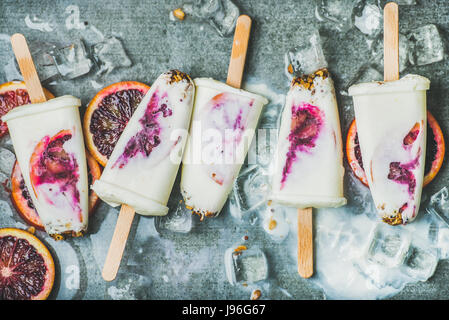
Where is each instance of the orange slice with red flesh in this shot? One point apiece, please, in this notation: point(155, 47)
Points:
point(434, 153)
point(107, 115)
point(27, 269)
point(14, 94)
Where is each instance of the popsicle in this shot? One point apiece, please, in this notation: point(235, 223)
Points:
point(391, 126)
point(309, 169)
point(48, 142)
point(223, 125)
point(142, 167)
point(309, 160)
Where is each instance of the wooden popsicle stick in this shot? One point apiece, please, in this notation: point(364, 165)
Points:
point(118, 243)
point(391, 41)
point(238, 54)
point(27, 68)
point(305, 242)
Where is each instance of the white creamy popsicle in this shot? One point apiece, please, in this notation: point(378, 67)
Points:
point(143, 165)
point(48, 141)
point(308, 160)
point(391, 126)
point(223, 125)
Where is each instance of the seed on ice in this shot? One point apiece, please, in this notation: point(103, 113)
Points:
point(245, 265)
point(275, 223)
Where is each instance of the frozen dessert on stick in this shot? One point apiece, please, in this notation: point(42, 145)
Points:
point(309, 168)
point(391, 126)
point(223, 124)
point(142, 168)
point(230, 116)
point(309, 160)
point(48, 142)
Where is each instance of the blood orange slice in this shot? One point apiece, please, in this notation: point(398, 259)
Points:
point(434, 153)
point(107, 115)
point(21, 199)
point(13, 94)
point(27, 269)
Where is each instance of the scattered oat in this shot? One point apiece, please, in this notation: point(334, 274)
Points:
point(272, 224)
point(240, 248)
point(57, 237)
point(179, 14)
point(31, 230)
point(256, 294)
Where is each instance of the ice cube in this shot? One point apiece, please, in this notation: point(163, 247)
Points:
point(7, 160)
point(72, 61)
point(426, 45)
point(307, 56)
point(221, 14)
point(367, 17)
point(245, 265)
point(439, 205)
point(43, 62)
point(225, 19)
point(336, 12)
point(250, 188)
point(366, 73)
point(178, 219)
point(377, 52)
point(110, 54)
point(420, 262)
point(388, 245)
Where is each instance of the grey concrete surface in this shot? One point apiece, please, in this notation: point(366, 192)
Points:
point(155, 43)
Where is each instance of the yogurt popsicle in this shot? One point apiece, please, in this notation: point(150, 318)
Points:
point(143, 165)
point(391, 126)
point(49, 145)
point(308, 165)
point(223, 125)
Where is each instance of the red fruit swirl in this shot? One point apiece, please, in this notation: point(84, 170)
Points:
point(148, 137)
point(307, 121)
point(54, 171)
